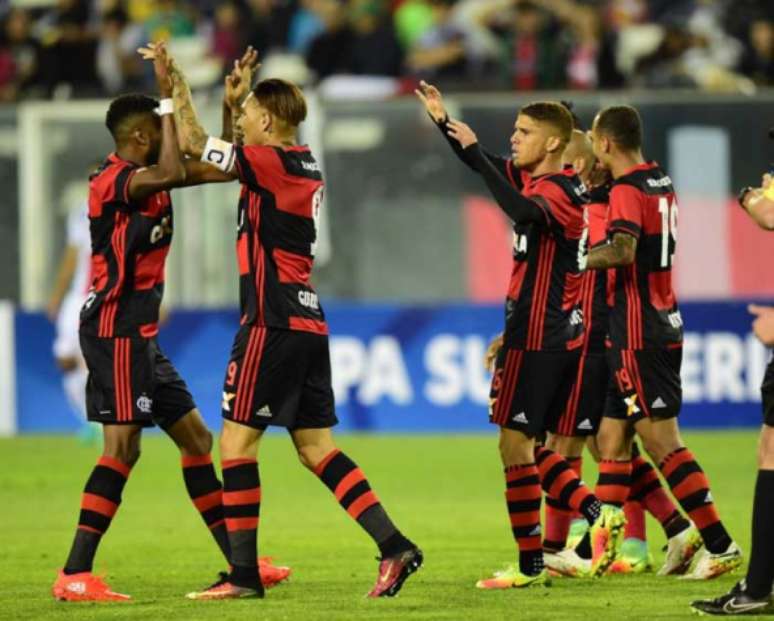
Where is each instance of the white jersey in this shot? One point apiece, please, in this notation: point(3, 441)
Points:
point(66, 344)
point(79, 236)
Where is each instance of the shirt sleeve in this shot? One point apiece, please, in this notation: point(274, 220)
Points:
point(257, 166)
point(626, 206)
point(121, 184)
point(557, 205)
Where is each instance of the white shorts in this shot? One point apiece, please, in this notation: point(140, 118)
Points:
point(66, 343)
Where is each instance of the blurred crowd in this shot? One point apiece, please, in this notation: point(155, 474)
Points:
point(86, 48)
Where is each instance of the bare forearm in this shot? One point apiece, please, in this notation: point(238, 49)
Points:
point(192, 134)
point(614, 254)
point(170, 158)
point(228, 126)
point(761, 209)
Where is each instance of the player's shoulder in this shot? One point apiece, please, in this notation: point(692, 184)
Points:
point(568, 184)
point(648, 178)
point(294, 161)
point(105, 176)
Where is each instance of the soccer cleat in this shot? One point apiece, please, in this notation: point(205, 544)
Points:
point(735, 602)
point(84, 587)
point(578, 529)
point(634, 558)
point(272, 575)
point(680, 551)
point(710, 565)
point(606, 534)
point(567, 563)
point(393, 572)
point(512, 578)
point(223, 589)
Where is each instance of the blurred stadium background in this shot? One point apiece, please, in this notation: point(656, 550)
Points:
point(414, 257)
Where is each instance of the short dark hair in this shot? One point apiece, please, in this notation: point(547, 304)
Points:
point(553, 113)
point(576, 122)
point(124, 108)
point(283, 99)
point(623, 125)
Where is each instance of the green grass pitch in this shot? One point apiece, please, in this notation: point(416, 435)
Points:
point(445, 492)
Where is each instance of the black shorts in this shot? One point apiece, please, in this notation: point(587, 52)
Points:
point(644, 383)
point(767, 395)
point(279, 377)
point(131, 382)
point(530, 388)
point(586, 403)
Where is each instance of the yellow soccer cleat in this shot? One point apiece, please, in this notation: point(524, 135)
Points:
point(606, 537)
point(512, 578)
point(634, 558)
point(709, 565)
point(680, 551)
point(567, 563)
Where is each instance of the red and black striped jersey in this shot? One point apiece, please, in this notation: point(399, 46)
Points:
point(596, 311)
point(644, 311)
point(279, 205)
point(543, 305)
point(129, 246)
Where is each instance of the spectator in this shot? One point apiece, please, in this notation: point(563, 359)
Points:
point(412, 19)
point(69, 46)
point(365, 44)
point(758, 59)
point(305, 25)
point(228, 41)
point(169, 20)
point(118, 65)
point(19, 56)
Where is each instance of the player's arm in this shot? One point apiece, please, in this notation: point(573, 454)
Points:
point(619, 252)
point(169, 171)
point(763, 325)
point(64, 277)
point(432, 99)
point(517, 207)
point(759, 203)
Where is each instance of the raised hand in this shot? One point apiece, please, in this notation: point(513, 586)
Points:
point(461, 133)
point(157, 53)
point(431, 97)
point(239, 81)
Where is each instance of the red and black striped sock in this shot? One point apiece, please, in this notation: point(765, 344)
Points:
point(613, 484)
point(206, 493)
point(522, 495)
point(635, 520)
point(242, 509)
point(647, 489)
point(342, 476)
point(690, 486)
point(562, 483)
point(99, 503)
point(558, 520)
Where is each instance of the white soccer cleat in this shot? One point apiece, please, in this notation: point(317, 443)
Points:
point(680, 551)
point(567, 563)
point(709, 565)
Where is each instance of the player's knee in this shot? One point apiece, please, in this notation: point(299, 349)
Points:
point(311, 455)
point(200, 444)
point(658, 448)
point(127, 453)
point(766, 449)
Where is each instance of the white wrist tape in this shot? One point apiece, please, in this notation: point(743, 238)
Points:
point(219, 153)
point(166, 106)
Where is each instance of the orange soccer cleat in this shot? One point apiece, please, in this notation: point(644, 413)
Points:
point(272, 575)
point(84, 587)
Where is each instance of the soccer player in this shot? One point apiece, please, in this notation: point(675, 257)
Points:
point(646, 333)
point(536, 367)
point(752, 595)
point(279, 373)
point(580, 420)
point(131, 383)
point(70, 290)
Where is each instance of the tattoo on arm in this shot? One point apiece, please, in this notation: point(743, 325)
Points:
point(192, 134)
point(617, 253)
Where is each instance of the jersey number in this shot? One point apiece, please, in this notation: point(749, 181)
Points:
point(317, 200)
point(668, 227)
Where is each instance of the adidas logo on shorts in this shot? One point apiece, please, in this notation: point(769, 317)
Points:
point(264, 412)
point(585, 425)
point(658, 403)
point(521, 417)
